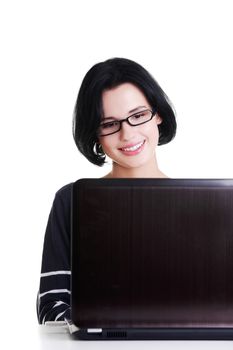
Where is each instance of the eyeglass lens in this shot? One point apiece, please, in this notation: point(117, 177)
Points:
point(115, 125)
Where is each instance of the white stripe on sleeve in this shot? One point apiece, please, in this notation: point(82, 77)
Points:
point(59, 315)
point(58, 303)
point(55, 291)
point(52, 273)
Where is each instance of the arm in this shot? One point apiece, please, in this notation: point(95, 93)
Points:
point(53, 300)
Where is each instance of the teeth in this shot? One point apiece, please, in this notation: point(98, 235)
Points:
point(133, 148)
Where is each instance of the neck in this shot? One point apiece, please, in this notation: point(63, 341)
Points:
point(150, 171)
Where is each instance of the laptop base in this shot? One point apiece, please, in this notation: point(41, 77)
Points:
point(156, 334)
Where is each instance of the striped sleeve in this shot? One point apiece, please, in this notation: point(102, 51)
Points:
point(53, 299)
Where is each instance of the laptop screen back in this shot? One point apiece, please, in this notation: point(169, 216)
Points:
point(152, 253)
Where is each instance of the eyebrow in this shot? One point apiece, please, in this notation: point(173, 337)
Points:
point(131, 111)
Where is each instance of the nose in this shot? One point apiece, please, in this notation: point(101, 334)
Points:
point(126, 131)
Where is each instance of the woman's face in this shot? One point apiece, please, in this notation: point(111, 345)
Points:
point(132, 146)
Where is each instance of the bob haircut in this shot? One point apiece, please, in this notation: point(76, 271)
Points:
point(88, 108)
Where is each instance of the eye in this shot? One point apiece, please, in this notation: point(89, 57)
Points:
point(109, 125)
point(140, 115)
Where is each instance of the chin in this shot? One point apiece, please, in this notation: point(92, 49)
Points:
point(131, 165)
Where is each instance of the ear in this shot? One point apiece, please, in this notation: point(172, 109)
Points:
point(98, 147)
point(159, 120)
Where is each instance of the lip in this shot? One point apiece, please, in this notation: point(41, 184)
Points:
point(132, 152)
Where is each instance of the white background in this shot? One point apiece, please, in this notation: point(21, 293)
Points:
point(47, 46)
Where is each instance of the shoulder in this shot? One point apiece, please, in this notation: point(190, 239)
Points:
point(62, 198)
point(65, 191)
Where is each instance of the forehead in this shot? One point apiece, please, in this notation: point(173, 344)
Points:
point(122, 99)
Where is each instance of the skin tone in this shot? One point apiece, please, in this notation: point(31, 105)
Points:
point(133, 148)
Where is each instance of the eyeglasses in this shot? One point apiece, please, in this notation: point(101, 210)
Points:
point(114, 126)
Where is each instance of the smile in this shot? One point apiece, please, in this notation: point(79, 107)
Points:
point(135, 149)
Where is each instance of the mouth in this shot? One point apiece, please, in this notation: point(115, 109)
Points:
point(134, 149)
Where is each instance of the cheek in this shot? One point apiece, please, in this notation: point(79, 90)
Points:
point(107, 143)
point(152, 131)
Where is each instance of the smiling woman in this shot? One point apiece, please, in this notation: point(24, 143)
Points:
point(100, 96)
point(121, 112)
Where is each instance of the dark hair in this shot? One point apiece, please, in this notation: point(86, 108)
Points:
point(88, 108)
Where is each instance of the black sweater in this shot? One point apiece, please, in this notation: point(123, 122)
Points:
point(53, 301)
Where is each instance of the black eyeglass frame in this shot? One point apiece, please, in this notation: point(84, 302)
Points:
point(153, 113)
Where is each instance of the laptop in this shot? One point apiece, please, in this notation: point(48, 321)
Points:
point(152, 259)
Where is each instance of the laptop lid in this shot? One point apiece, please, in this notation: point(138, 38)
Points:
point(152, 253)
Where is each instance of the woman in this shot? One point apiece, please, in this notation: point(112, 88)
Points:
point(120, 112)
